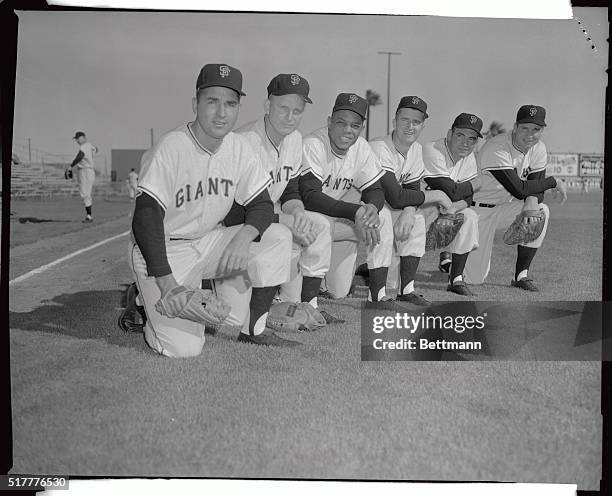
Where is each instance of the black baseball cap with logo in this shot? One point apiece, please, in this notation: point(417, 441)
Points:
point(350, 101)
point(468, 121)
point(78, 134)
point(413, 102)
point(289, 84)
point(220, 75)
point(531, 114)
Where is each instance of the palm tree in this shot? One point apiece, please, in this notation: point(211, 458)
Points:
point(495, 128)
point(373, 99)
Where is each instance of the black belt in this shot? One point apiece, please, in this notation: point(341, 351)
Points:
point(485, 205)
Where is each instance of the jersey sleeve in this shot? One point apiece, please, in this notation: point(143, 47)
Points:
point(417, 167)
point(158, 171)
point(539, 158)
point(369, 170)
point(434, 162)
point(253, 178)
point(314, 158)
point(495, 156)
point(384, 157)
point(471, 170)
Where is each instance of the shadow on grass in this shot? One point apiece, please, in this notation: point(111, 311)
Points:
point(85, 315)
point(36, 220)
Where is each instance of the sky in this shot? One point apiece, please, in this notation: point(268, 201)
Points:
point(115, 75)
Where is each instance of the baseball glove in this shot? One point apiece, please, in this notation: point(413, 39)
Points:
point(521, 231)
point(197, 305)
point(297, 317)
point(68, 174)
point(443, 230)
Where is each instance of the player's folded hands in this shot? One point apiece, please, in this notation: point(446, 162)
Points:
point(369, 215)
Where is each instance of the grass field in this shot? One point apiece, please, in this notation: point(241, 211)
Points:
point(90, 400)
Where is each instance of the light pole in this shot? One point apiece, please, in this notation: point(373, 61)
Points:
point(389, 84)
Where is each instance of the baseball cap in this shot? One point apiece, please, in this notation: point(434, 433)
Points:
point(468, 121)
point(531, 113)
point(289, 84)
point(78, 134)
point(220, 75)
point(350, 101)
point(413, 102)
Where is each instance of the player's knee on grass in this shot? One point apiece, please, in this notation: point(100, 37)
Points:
point(174, 343)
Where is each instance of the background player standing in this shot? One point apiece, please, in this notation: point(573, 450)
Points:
point(401, 158)
point(340, 179)
point(188, 183)
point(85, 172)
point(279, 144)
point(450, 166)
point(513, 178)
point(132, 183)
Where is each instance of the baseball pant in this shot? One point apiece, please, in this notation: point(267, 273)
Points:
point(413, 246)
point(85, 177)
point(344, 252)
point(194, 260)
point(489, 219)
point(309, 261)
point(132, 190)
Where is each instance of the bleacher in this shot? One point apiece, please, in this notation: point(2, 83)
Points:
point(47, 180)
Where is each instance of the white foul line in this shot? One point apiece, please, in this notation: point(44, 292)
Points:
point(42, 268)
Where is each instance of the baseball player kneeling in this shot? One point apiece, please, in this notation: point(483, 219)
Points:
point(187, 185)
point(340, 179)
point(401, 157)
point(450, 166)
point(513, 182)
point(279, 143)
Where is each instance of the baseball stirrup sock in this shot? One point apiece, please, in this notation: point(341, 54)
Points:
point(378, 281)
point(88, 210)
point(261, 299)
point(524, 257)
point(457, 265)
point(310, 288)
point(408, 269)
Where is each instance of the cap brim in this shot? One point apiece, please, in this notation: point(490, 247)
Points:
point(346, 107)
point(531, 121)
point(425, 115)
point(306, 99)
point(240, 92)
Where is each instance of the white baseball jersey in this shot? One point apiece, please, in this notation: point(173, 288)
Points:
point(499, 153)
point(87, 162)
point(282, 163)
point(196, 187)
point(343, 177)
point(406, 169)
point(439, 163)
point(133, 178)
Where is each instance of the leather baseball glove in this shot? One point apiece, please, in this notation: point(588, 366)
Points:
point(68, 173)
point(443, 230)
point(296, 317)
point(525, 228)
point(197, 305)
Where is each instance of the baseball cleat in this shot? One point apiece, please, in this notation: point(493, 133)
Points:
point(323, 293)
point(460, 288)
point(330, 319)
point(133, 318)
point(415, 299)
point(445, 262)
point(524, 283)
point(87, 219)
point(388, 303)
point(267, 338)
